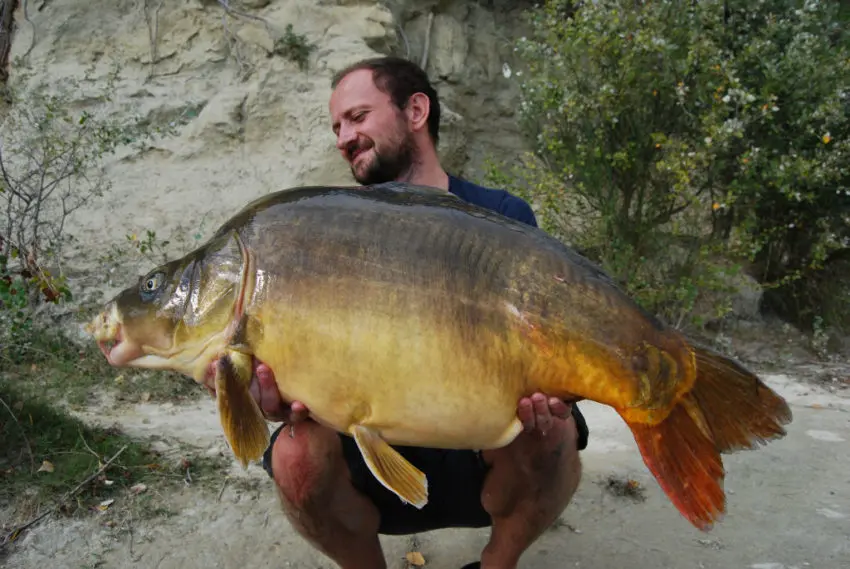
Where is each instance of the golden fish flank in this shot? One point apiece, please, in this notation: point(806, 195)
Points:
point(359, 299)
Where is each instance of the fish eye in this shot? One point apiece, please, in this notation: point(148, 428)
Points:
point(151, 284)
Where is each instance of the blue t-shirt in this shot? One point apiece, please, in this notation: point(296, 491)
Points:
point(497, 200)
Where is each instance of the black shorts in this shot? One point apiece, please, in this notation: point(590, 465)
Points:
point(455, 480)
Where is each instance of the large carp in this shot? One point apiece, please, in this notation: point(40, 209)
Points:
point(404, 315)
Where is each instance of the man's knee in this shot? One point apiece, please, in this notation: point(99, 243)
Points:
point(305, 464)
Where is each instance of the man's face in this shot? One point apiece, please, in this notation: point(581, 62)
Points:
point(371, 132)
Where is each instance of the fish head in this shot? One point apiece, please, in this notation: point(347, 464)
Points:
point(180, 315)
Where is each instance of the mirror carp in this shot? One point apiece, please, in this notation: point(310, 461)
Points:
point(403, 315)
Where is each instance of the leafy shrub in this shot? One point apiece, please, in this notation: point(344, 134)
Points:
point(678, 142)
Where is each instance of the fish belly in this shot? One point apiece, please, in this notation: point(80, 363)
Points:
point(399, 371)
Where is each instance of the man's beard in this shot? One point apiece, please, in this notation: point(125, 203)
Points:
point(388, 165)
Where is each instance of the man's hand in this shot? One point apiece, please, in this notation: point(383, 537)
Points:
point(264, 391)
point(537, 412)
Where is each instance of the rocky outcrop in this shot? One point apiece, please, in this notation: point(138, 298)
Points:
point(248, 119)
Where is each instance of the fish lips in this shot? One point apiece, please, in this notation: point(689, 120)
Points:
point(107, 330)
point(118, 351)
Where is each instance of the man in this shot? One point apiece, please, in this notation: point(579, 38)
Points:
point(385, 115)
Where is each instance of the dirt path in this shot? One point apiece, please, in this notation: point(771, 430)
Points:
point(789, 507)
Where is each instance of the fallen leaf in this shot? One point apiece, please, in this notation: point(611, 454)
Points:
point(46, 466)
point(415, 558)
point(145, 397)
point(105, 504)
point(138, 488)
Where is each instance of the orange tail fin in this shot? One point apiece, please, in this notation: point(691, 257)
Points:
point(686, 465)
point(728, 409)
point(741, 411)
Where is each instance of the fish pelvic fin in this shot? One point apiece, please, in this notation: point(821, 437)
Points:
point(391, 469)
point(728, 408)
point(244, 426)
point(740, 411)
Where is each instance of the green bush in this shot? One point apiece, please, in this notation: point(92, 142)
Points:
point(676, 142)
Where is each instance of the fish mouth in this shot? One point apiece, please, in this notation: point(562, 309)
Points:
point(107, 330)
point(107, 346)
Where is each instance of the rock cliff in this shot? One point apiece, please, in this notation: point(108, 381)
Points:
point(248, 119)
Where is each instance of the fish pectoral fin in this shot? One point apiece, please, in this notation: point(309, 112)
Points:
point(244, 426)
point(390, 468)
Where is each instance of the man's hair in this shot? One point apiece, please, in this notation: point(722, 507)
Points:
point(399, 78)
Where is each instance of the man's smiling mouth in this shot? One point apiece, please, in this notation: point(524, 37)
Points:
point(357, 151)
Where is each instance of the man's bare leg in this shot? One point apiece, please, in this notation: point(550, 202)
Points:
point(319, 500)
point(530, 483)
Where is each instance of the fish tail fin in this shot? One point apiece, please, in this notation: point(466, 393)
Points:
point(685, 463)
point(729, 408)
point(244, 426)
point(740, 410)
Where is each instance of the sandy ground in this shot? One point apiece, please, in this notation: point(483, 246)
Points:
point(789, 507)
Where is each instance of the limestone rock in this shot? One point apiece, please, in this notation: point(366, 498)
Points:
point(256, 35)
point(222, 119)
point(245, 130)
point(449, 49)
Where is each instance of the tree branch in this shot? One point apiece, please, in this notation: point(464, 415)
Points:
point(153, 32)
point(232, 37)
point(34, 30)
point(427, 47)
point(7, 32)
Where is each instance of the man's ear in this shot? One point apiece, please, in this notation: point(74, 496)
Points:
point(417, 110)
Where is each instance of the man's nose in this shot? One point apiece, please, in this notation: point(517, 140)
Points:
point(345, 137)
